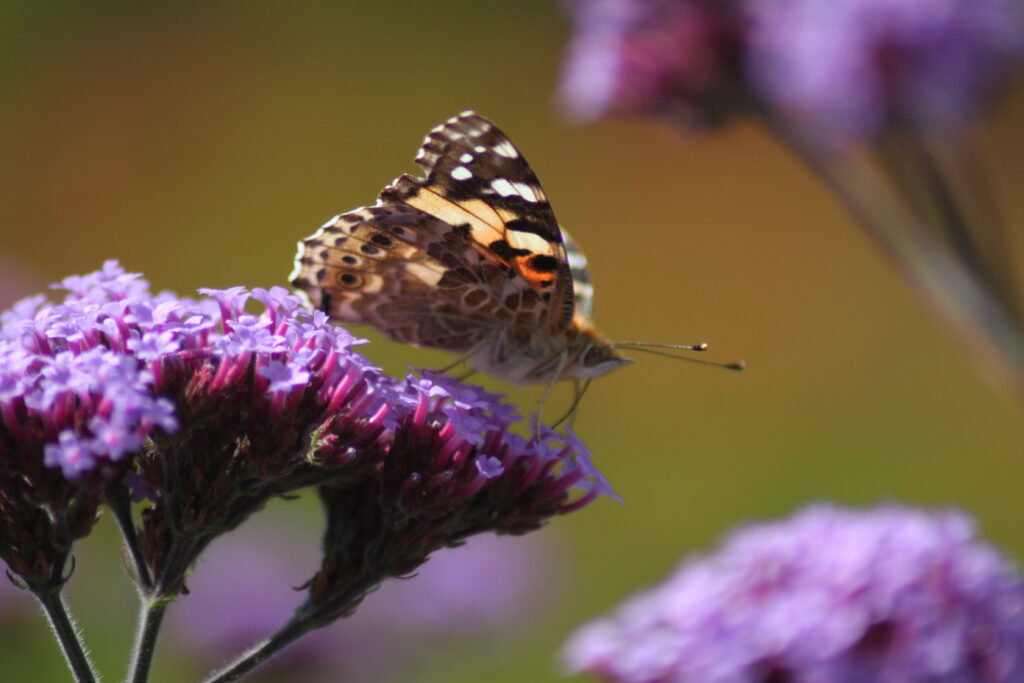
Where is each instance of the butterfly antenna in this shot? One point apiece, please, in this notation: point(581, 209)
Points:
point(651, 348)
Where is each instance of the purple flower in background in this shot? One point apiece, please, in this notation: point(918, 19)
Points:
point(671, 57)
point(877, 97)
point(846, 68)
point(890, 594)
point(843, 68)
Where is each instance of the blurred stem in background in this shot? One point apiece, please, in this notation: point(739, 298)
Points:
point(879, 99)
point(915, 199)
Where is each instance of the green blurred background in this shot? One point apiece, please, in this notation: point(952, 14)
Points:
point(197, 142)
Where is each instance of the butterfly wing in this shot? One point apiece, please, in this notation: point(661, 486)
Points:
point(476, 177)
point(404, 272)
point(582, 286)
point(448, 260)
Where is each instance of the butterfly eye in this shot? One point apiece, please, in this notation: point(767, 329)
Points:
point(593, 356)
point(350, 280)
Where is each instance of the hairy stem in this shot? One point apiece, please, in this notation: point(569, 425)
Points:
point(307, 617)
point(67, 635)
point(120, 505)
point(151, 616)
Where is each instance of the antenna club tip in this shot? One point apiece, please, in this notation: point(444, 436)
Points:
point(738, 365)
point(703, 346)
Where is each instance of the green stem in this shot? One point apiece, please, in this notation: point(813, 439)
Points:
point(67, 635)
point(151, 616)
point(296, 627)
point(307, 617)
point(120, 505)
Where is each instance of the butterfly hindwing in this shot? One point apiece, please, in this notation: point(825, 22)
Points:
point(582, 286)
point(413, 276)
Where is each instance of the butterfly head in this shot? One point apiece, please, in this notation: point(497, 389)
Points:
point(593, 356)
point(599, 360)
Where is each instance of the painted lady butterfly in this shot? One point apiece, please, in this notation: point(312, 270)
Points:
point(468, 259)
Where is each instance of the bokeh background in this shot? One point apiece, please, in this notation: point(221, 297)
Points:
point(196, 142)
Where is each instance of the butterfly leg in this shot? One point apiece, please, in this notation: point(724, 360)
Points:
point(462, 358)
point(562, 357)
point(578, 390)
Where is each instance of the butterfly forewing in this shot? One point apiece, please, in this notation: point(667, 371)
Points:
point(476, 176)
point(440, 261)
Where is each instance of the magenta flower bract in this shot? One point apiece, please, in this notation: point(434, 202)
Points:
point(887, 595)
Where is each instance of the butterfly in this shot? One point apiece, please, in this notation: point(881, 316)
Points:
point(467, 258)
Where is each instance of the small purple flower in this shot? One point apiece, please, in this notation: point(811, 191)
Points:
point(152, 345)
point(888, 594)
point(846, 68)
point(283, 376)
point(72, 454)
point(471, 409)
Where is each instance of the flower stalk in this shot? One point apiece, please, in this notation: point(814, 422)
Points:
point(67, 635)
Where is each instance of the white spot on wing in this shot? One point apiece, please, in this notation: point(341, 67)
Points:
point(461, 173)
point(479, 149)
point(503, 187)
point(530, 194)
point(506, 149)
point(466, 158)
point(506, 189)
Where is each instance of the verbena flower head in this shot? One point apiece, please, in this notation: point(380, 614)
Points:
point(454, 469)
point(846, 68)
point(74, 403)
point(889, 594)
point(208, 410)
point(671, 57)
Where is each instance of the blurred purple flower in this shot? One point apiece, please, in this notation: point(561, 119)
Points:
point(487, 586)
point(843, 68)
point(846, 68)
point(671, 57)
point(890, 594)
point(875, 96)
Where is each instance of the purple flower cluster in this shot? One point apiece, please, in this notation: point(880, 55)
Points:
point(841, 69)
point(208, 410)
point(68, 377)
point(889, 594)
